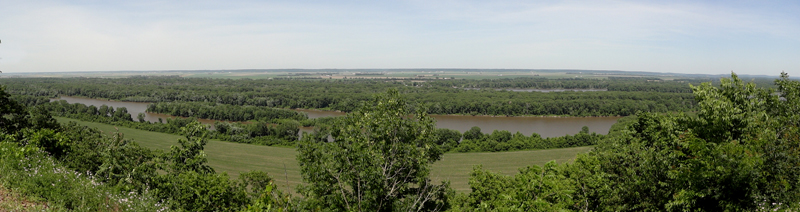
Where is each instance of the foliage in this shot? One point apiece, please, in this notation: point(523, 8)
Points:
point(77, 168)
point(266, 196)
point(255, 182)
point(447, 139)
point(737, 153)
point(621, 125)
point(473, 133)
point(193, 191)
point(190, 184)
point(126, 164)
point(501, 140)
point(533, 189)
point(443, 97)
point(378, 161)
point(11, 113)
point(14, 201)
point(284, 132)
point(224, 112)
point(740, 152)
point(37, 175)
point(189, 156)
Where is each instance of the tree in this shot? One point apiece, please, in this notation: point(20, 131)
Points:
point(738, 153)
point(379, 160)
point(189, 156)
point(447, 138)
point(500, 135)
point(140, 117)
point(126, 164)
point(255, 182)
point(193, 191)
point(533, 189)
point(288, 129)
point(473, 133)
point(122, 114)
point(192, 185)
point(40, 118)
point(12, 114)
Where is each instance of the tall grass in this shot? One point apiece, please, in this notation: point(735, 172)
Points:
point(33, 173)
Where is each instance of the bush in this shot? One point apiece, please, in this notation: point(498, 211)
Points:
point(33, 173)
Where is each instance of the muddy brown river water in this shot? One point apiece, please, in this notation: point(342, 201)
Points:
point(544, 126)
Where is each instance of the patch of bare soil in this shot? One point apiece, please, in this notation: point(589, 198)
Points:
point(12, 201)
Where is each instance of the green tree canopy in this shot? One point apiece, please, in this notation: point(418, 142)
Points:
point(379, 160)
point(740, 152)
point(12, 114)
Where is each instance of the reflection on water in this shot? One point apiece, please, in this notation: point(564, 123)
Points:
point(544, 126)
point(134, 108)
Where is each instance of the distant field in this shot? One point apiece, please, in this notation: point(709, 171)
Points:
point(389, 73)
point(235, 157)
point(405, 74)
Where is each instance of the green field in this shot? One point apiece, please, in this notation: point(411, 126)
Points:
point(395, 74)
point(410, 74)
point(472, 74)
point(280, 162)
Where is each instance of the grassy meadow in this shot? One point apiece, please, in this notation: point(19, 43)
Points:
point(280, 162)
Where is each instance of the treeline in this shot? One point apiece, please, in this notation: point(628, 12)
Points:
point(282, 132)
point(502, 140)
point(30, 101)
point(285, 132)
point(346, 95)
point(224, 112)
point(628, 84)
point(449, 140)
point(652, 86)
point(485, 102)
point(527, 83)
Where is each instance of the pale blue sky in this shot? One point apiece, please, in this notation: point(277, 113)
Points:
point(710, 37)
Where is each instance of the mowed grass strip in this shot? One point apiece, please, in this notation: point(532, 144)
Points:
point(229, 157)
point(235, 158)
point(456, 167)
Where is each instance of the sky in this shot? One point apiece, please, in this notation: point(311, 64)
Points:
point(701, 37)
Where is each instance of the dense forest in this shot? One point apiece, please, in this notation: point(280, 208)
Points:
point(285, 131)
point(223, 112)
point(739, 151)
point(624, 96)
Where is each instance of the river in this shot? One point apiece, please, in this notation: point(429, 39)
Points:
point(134, 108)
point(544, 126)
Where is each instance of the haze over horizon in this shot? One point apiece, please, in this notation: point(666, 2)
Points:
point(697, 37)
